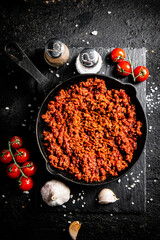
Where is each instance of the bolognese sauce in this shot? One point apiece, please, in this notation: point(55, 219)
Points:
point(91, 131)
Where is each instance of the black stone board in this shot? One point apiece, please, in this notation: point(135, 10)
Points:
point(131, 188)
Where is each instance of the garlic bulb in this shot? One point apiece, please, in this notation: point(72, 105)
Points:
point(55, 193)
point(106, 196)
point(74, 229)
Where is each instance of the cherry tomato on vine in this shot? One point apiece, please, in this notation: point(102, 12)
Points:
point(29, 168)
point(118, 55)
point(141, 74)
point(5, 156)
point(124, 68)
point(13, 171)
point(16, 142)
point(22, 155)
point(25, 184)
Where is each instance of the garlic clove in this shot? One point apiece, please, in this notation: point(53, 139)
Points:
point(106, 196)
point(55, 193)
point(74, 229)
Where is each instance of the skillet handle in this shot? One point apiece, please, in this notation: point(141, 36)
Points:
point(18, 56)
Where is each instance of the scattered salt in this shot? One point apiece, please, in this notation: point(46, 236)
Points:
point(94, 33)
point(119, 180)
point(57, 75)
point(26, 192)
point(7, 108)
point(109, 12)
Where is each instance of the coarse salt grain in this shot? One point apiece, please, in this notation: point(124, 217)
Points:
point(57, 75)
point(7, 108)
point(119, 180)
point(109, 12)
point(94, 33)
point(73, 201)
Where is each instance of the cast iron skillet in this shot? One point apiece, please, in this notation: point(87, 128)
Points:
point(24, 62)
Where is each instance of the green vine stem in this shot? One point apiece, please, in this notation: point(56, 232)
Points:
point(9, 148)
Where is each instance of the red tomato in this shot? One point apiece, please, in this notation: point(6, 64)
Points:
point(13, 171)
point(141, 74)
point(124, 68)
point(25, 184)
point(22, 155)
point(29, 168)
point(16, 142)
point(118, 55)
point(5, 156)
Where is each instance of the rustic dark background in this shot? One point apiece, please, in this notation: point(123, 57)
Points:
point(126, 24)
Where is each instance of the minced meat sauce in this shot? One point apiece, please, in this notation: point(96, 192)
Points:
point(91, 131)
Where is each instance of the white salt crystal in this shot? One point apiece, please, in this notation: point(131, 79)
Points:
point(94, 33)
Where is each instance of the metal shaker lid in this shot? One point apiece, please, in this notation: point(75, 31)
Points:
point(89, 57)
point(54, 48)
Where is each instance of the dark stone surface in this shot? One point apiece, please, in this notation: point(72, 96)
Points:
point(126, 24)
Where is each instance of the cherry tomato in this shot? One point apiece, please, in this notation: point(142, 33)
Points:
point(29, 168)
point(124, 68)
point(22, 155)
point(16, 142)
point(118, 55)
point(13, 171)
point(25, 184)
point(141, 74)
point(5, 156)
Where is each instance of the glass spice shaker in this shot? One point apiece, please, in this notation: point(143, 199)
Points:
point(56, 53)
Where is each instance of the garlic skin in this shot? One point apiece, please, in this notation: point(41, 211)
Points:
point(106, 196)
point(74, 229)
point(55, 193)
